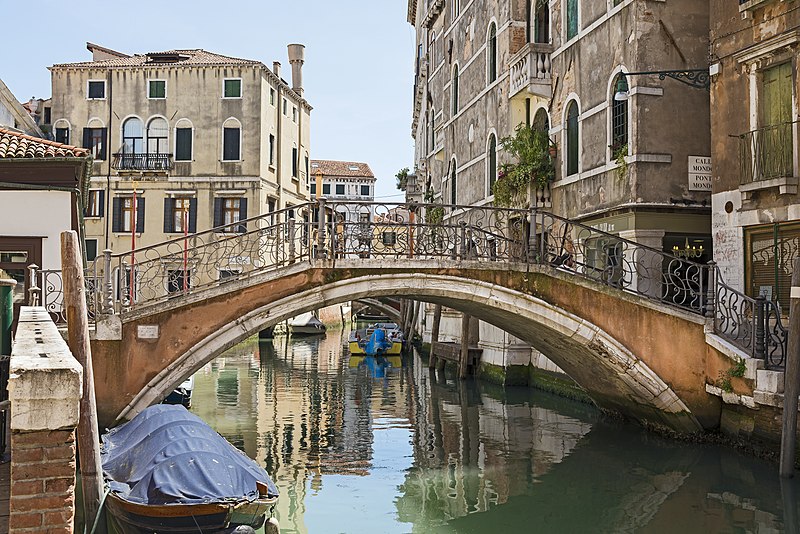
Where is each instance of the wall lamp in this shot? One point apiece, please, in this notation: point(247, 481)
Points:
point(697, 78)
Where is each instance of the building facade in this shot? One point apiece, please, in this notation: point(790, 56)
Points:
point(183, 141)
point(754, 111)
point(633, 164)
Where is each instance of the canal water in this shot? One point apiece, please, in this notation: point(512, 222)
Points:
point(361, 446)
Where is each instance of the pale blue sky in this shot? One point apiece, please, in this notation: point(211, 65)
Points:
point(358, 74)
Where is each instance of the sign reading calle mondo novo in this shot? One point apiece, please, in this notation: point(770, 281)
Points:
point(700, 173)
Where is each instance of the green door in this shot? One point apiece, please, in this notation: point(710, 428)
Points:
point(775, 155)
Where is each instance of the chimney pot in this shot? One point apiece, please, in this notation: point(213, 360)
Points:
point(276, 68)
point(296, 60)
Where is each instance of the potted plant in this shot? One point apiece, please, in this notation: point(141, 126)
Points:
point(534, 162)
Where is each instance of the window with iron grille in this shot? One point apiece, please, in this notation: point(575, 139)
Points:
point(572, 138)
point(491, 54)
point(619, 123)
point(770, 253)
point(491, 169)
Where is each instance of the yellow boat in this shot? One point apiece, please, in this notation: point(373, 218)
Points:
point(359, 338)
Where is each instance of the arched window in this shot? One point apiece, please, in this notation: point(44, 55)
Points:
point(491, 53)
point(232, 140)
point(453, 195)
point(432, 131)
point(541, 122)
point(619, 123)
point(183, 140)
point(157, 136)
point(540, 20)
point(133, 136)
point(491, 158)
point(572, 138)
point(454, 89)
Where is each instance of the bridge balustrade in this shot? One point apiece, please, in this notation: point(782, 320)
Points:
point(332, 231)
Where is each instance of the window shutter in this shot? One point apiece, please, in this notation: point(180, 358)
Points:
point(217, 212)
point(169, 206)
point(103, 137)
point(139, 215)
point(192, 215)
point(116, 220)
point(242, 214)
point(230, 148)
point(87, 138)
point(183, 144)
point(101, 199)
point(294, 162)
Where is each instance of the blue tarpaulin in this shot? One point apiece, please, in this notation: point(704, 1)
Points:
point(166, 455)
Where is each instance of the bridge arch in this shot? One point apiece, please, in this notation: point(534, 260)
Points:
point(590, 352)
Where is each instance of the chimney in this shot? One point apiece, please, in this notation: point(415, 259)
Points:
point(276, 68)
point(296, 60)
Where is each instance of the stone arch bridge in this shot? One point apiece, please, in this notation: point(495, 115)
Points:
point(630, 324)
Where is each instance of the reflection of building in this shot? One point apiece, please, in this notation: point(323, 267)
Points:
point(754, 59)
point(183, 140)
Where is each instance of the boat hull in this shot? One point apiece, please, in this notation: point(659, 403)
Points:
point(357, 350)
point(217, 518)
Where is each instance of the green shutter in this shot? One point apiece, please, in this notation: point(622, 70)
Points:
point(572, 18)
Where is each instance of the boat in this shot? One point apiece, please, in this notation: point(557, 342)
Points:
point(167, 471)
point(376, 339)
point(182, 394)
point(306, 324)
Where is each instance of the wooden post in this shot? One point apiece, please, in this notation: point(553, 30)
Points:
point(78, 341)
point(437, 319)
point(791, 387)
point(462, 365)
point(412, 330)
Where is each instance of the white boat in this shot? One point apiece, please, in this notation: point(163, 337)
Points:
point(183, 393)
point(306, 324)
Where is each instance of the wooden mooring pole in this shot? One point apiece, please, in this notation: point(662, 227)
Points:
point(464, 361)
point(437, 319)
point(78, 340)
point(791, 386)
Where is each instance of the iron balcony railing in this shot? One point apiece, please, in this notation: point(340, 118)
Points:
point(767, 153)
point(346, 230)
point(142, 162)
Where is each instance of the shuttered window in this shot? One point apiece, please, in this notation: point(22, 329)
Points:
point(123, 214)
point(183, 144)
point(230, 144)
point(771, 251)
point(229, 210)
point(572, 18)
point(180, 215)
point(572, 138)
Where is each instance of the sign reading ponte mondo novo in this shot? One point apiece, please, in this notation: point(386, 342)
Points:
point(700, 173)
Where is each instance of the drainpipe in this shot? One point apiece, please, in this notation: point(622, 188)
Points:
point(279, 136)
point(7, 285)
point(108, 158)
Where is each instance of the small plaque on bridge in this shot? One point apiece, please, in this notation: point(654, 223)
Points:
point(147, 331)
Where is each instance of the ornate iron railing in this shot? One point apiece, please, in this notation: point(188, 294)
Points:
point(339, 230)
point(48, 291)
point(142, 162)
point(767, 153)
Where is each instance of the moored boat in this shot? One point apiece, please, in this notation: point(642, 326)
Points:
point(182, 394)
point(306, 324)
point(375, 339)
point(168, 471)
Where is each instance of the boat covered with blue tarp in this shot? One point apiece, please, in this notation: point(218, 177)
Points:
point(168, 471)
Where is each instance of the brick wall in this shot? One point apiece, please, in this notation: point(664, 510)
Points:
point(43, 481)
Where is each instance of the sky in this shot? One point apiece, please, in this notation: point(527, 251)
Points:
point(358, 73)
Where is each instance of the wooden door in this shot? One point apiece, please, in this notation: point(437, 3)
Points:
point(16, 254)
point(776, 122)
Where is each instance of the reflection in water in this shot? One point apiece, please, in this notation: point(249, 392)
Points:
point(371, 445)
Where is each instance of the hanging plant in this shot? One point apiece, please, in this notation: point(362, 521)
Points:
point(619, 152)
point(531, 150)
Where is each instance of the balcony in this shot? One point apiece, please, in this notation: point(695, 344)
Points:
point(530, 70)
point(766, 159)
point(142, 162)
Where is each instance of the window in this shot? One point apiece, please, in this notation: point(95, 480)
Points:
point(96, 204)
point(95, 140)
point(178, 280)
point(541, 122)
point(157, 140)
point(156, 89)
point(294, 162)
point(230, 210)
point(62, 135)
point(183, 144)
point(133, 136)
point(619, 124)
point(433, 131)
point(572, 18)
point(294, 114)
point(364, 190)
point(285, 107)
point(432, 50)
point(453, 195)
point(180, 215)
point(770, 252)
point(491, 167)
point(572, 138)
point(271, 149)
point(326, 189)
point(340, 189)
point(124, 214)
point(455, 9)
point(96, 90)
point(231, 140)
point(232, 88)
point(313, 188)
point(271, 96)
point(541, 22)
point(91, 249)
point(227, 274)
point(775, 138)
point(454, 90)
point(491, 54)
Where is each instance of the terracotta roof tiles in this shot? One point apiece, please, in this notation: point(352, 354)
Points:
point(18, 145)
point(191, 57)
point(341, 168)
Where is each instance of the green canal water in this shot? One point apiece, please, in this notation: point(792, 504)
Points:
point(360, 448)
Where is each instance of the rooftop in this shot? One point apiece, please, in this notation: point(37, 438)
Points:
point(18, 145)
point(196, 57)
point(352, 169)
